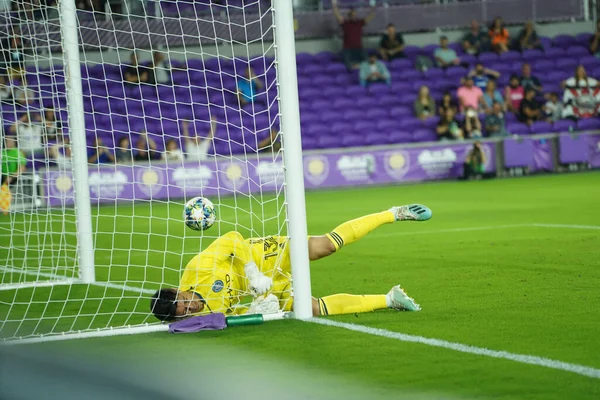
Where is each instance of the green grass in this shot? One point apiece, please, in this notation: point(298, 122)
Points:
point(531, 290)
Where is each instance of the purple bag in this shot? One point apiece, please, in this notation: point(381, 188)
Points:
point(208, 322)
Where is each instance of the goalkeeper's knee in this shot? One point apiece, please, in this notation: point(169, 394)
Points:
point(319, 247)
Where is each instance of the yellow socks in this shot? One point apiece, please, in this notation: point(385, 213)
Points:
point(351, 231)
point(350, 304)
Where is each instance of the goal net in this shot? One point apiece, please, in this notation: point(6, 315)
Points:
point(176, 101)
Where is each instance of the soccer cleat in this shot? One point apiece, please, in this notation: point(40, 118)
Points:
point(399, 300)
point(411, 212)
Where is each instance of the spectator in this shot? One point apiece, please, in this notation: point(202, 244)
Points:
point(528, 80)
point(5, 89)
point(490, 97)
point(99, 154)
point(373, 70)
point(472, 124)
point(528, 38)
point(270, 143)
point(481, 75)
point(444, 55)
point(495, 124)
point(196, 147)
point(514, 94)
point(392, 44)
point(134, 73)
point(61, 153)
point(50, 125)
point(172, 151)
point(476, 41)
point(13, 161)
point(29, 134)
point(530, 110)
point(352, 28)
point(146, 149)
point(448, 128)
point(499, 36)
point(553, 109)
point(247, 87)
point(595, 41)
point(123, 151)
point(23, 95)
point(474, 166)
point(160, 70)
point(580, 80)
point(424, 104)
point(447, 103)
point(14, 55)
point(469, 95)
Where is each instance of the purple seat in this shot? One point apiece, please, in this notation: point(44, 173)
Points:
point(589, 62)
point(588, 124)
point(330, 116)
point(376, 113)
point(399, 112)
point(555, 52)
point(564, 125)
point(429, 49)
point(424, 135)
point(365, 102)
point(410, 74)
point(333, 91)
point(316, 129)
point(325, 57)
point(388, 100)
point(304, 58)
point(584, 38)
point(456, 72)
point(363, 127)
point(541, 127)
point(487, 58)
point(432, 122)
point(387, 125)
point(356, 91)
point(345, 79)
point(434, 73)
point(546, 42)
point(566, 63)
point(401, 87)
point(343, 103)
point(510, 56)
point(379, 89)
point(401, 63)
point(558, 76)
point(532, 55)
point(353, 140)
point(309, 143)
point(578, 51)
point(320, 105)
point(400, 137)
point(469, 59)
point(373, 139)
point(411, 124)
point(341, 128)
point(543, 65)
point(517, 129)
point(327, 141)
point(564, 41)
point(407, 99)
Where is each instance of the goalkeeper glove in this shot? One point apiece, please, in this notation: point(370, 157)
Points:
point(264, 305)
point(259, 283)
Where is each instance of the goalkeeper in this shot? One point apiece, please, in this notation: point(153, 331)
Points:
point(230, 268)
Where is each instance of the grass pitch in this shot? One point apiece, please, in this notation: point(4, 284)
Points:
point(504, 264)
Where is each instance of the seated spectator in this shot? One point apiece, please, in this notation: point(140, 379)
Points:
point(392, 44)
point(172, 151)
point(14, 55)
point(481, 75)
point(23, 95)
point(530, 110)
point(528, 38)
point(447, 103)
point(159, 71)
point(476, 41)
point(580, 80)
point(424, 104)
point(491, 95)
point(595, 41)
point(123, 151)
point(472, 126)
point(495, 124)
point(12, 160)
point(196, 147)
point(373, 70)
point(514, 94)
point(134, 73)
point(6, 92)
point(61, 153)
point(553, 109)
point(444, 55)
point(499, 36)
point(449, 128)
point(352, 30)
point(145, 149)
point(469, 95)
point(29, 134)
point(51, 126)
point(474, 166)
point(99, 154)
point(528, 80)
point(248, 86)
point(271, 143)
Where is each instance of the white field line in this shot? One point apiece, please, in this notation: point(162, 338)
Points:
point(463, 348)
point(450, 230)
point(566, 226)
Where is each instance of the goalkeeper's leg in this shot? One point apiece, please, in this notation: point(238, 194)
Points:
point(349, 304)
point(351, 231)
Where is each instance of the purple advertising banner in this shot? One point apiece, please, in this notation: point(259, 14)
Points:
point(346, 167)
point(594, 150)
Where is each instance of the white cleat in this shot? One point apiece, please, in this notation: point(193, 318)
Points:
point(411, 212)
point(399, 300)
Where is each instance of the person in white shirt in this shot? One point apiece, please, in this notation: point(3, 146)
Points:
point(29, 135)
point(61, 154)
point(172, 151)
point(196, 147)
point(160, 71)
point(580, 80)
point(51, 126)
point(5, 88)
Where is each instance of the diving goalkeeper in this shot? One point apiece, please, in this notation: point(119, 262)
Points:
point(231, 268)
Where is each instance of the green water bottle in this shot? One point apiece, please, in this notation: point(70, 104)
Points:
point(242, 320)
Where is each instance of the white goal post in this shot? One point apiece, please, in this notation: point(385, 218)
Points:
point(111, 121)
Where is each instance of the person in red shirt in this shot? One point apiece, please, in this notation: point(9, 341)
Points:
point(352, 29)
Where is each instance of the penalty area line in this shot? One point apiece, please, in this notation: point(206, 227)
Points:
point(463, 348)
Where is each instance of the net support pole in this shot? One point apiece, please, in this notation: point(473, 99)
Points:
point(285, 55)
point(70, 36)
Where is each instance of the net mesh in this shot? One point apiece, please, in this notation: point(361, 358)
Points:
point(179, 101)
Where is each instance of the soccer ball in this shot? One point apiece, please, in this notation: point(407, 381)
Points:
point(199, 213)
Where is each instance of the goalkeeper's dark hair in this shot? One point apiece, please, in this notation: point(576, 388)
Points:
point(163, 304)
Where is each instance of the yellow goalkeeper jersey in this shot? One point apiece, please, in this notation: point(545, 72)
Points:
point(217, 273)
